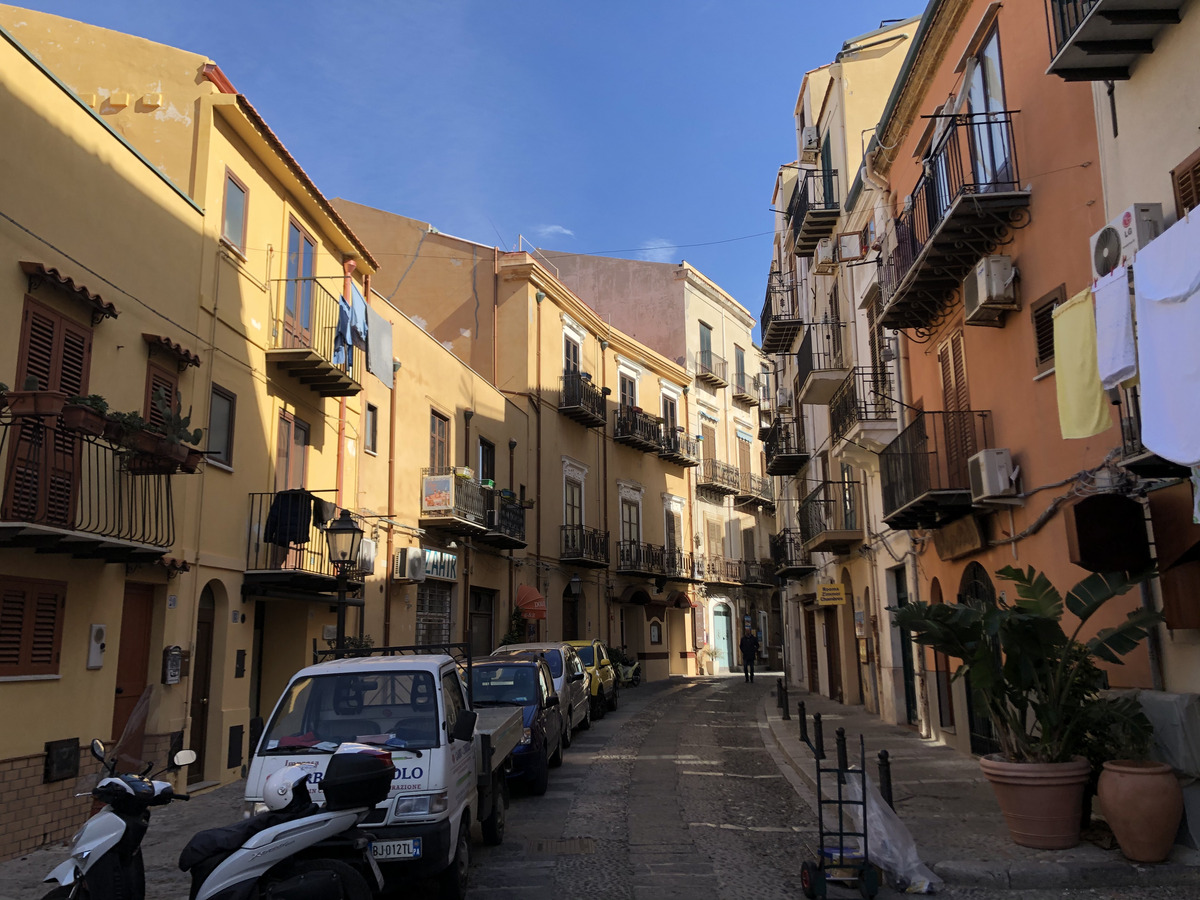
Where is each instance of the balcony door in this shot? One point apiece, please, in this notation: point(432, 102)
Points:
point(43, 462)
point(991, 158)
point(706, 351)
point(573, 515)
point(298, 289)
point(291, 454)
point(957, 405)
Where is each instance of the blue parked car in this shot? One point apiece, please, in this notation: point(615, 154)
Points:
point(525, 681)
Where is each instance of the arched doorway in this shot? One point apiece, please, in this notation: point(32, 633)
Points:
point(976, 589)
point(206, 617)
point(941, 669)
point(723, 626)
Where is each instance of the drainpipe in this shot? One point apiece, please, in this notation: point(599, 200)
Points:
point(496, 320)
point(391, 505)
point(538, 298)
point(604, 491)
point(348, 267)
point(468, 415)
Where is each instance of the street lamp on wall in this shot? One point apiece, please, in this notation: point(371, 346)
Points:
point(343, 537)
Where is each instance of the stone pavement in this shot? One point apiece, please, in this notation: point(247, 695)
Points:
point(943, 798)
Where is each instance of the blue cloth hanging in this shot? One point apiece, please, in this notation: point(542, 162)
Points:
point(358, 317)
point(341, 335)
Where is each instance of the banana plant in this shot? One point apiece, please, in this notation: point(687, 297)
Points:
point(1039, 684)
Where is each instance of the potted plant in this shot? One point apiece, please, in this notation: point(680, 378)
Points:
point(176, 431)
point(1040, 688)
point(31, 400)
point(87, 415)
point(131, 431)
point(1141, 799)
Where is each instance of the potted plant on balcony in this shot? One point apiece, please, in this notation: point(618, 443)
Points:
point(176, 431)
point(31, 400)
point(1040, 688)
point(131, 431)
point(86, 415)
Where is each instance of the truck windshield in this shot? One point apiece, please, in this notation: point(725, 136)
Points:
point(392, 709)
point(505, 685)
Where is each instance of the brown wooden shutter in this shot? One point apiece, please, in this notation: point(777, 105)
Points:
point(12, 618)
point(159, 379)
point(708, 441)
point(31, 614)
point(954, 374)
point(55, 350)
point(1186, 180)
point(39, 327)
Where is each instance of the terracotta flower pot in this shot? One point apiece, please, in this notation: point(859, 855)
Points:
point(1142, 803)
point(36, 403)
point(1041, 802)
point(84, 420)
point(192, 462)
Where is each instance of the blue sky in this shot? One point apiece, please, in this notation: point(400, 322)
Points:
point(647, 129)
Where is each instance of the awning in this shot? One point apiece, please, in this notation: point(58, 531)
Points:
point(681, 600)
point(183, 356)
point(635, 593)
point(101, 308)
point(530, 602)
point(655, 611)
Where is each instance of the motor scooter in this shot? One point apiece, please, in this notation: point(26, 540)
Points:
point(629, 672)
point(293, 851)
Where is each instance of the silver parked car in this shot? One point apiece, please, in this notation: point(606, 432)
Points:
point(570, 681)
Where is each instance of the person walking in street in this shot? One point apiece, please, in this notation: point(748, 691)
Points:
point(749, 647)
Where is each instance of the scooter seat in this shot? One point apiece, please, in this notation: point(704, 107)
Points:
point(209, 847)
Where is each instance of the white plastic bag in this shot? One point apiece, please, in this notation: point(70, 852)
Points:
point(890, 843)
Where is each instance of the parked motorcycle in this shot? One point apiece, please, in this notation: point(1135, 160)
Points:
point(294, 850)
point(629, 671)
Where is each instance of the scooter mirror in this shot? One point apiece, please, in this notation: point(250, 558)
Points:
point(98, 749)
point(184, 758)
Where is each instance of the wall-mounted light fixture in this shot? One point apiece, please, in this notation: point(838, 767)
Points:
point(512, 443)
point(540, 296)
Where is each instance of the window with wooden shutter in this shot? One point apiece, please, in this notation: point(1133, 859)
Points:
point(708, 441)
point(159, 379)
point(1042, 314)
point(1186, 180)
point(54, 349)
point(31, 614)
point(954, 374)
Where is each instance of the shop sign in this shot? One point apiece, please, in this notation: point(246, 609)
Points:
point(441, 565)
point(831, 594)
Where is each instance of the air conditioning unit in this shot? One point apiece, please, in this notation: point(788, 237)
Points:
point(366, 556)
point(1118, 242)
point(990, 290)
point(408, 564)
point(810, 144)
point(825, 257)
point(991, 474)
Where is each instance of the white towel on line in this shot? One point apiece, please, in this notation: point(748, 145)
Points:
point(1116, 355)
point(1166, 280)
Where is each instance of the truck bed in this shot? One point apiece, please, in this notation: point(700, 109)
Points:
point(497, 732)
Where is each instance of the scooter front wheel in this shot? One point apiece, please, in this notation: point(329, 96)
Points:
point(67, 892)
point(354, 886)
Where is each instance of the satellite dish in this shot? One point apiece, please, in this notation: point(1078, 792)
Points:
point(1107, 255)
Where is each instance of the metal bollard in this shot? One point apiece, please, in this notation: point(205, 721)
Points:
point(885, 778)
point(802, 715)
point(840, 741)
point(786, 712)
point(779, 692)
point(818, 736)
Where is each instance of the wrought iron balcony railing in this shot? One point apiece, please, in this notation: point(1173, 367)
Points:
point(822, 361)
point(865, 396)
point(758, 572)
point(718, 476)
point(755, 487)
point(637, 429)
point(712, 368)
point(720, 570)
point(584, 546)
point(639, 558)
point(1101, 40)
point(307, 344)
point(680, 448)
point(287, 539)
point(967, 200)
point(75, 493)
point(746, 388)
point(780, 320)
point(581, 400)
point(785, 446)
point(924, 473)
point(789, 555)
point(680, 566)
point(831, 518)
point(450, 501)
point(505, 520)
point(1135, 456)
point(814, 209)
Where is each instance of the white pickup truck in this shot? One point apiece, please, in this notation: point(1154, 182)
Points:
point(450, 761)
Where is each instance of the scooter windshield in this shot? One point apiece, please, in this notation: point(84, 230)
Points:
point(388, 709)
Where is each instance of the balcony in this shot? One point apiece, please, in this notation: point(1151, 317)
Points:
point(680, 448)
point(814, 210)
point(746, 388)
point(785, 446)
point(453, 503)
point(861, 410)
point(831, 518)
point(923, 471)
point(680, 566)
point(823, 362)
point(722, 571)
point(1101, 40)
point(305, 343)
point(638, 558)
point(66, 492)
point(758, 573)
point(966, 203)
point(789, 555)
point(755, 488)
point(505, 517)
point(1134, 455)
point(287, 550)
point(635, 428)
point(581, 400)
point(718, 476)
point(711, 369)
point(780, 320)
point(584, 547)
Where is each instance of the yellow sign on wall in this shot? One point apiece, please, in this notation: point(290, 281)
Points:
point(830, 594)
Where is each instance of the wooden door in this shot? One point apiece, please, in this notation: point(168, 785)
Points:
point(133, 661)
point(957, 431)
point(201, 682)
point(907, 664)
point(833, 653)
point(298, 289)
point(810, 647)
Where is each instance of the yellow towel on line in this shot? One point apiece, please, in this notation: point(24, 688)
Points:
point(1082, 404)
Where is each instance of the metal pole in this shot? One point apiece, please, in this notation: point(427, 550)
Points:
point(341, 609)
point(787, 714)
point(885, 778)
